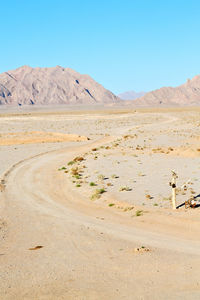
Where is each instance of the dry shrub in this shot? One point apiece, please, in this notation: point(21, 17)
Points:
point(75, 171)
point(36, 248)
point(78, 158)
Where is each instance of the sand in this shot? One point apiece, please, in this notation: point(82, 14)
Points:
point(37, 137)
point(74, 212)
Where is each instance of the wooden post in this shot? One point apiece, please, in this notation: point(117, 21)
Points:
point(173, 185)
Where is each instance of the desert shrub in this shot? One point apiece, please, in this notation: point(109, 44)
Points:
point(97, 194)
point(101, 177)
point(74, 171)
point(125, 188)
point(114, 176)
point(70, 163)
point(63, 168)
point(139, 213)
point(78, 158)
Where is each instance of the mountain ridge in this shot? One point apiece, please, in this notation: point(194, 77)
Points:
point(131, 95)
point(57, 85)
point(185, 94)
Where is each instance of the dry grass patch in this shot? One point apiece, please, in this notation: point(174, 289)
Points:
point(141, 249)
point(97, 194)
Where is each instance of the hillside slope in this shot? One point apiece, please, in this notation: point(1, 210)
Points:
point(43, 86)
point(185, 94)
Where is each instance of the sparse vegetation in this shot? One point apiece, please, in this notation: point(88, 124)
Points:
point(115, 171)
point(125, 188)
point(101, 177)
point(63, 168)
point(101, 191)
point(70, 163)
point(142, 249)
point(114, 176)
point(75, 171)
point(139, 213)
point(93, 183)
point(128, 208)
point(78, 158)
point(97, 194)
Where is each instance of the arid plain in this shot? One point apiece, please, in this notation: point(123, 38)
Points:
point(85, 204)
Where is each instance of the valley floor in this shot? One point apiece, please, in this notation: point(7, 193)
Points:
point(82, 191)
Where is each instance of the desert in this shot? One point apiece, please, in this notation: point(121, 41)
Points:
point(100, 150)
point(86, 209)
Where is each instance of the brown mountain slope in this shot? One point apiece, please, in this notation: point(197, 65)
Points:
point(57, 85)
point(186, 94)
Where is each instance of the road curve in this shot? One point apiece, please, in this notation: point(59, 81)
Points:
point(79, 257)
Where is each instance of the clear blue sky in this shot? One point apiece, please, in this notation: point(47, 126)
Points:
point(123, 44)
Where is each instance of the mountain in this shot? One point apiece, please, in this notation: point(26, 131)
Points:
point(43, 86)
point(131, 95)
point(185, 94)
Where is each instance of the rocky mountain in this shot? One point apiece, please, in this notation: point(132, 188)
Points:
point(43, 86)
point(185, 94)
point(131, 95)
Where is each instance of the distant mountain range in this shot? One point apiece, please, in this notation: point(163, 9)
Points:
point(185, 94)
point(131, 95)
point(43, 86)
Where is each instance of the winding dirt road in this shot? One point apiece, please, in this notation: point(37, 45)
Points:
point(87, 250)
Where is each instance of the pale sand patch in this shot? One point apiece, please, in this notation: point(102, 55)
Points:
point(35, 137)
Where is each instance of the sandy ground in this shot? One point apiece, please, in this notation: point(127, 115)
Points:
point(74, 211)
point(38, 137)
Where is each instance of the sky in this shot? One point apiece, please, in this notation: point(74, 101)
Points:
point(125, 45)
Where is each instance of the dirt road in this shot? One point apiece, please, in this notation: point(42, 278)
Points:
point(87, 250)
